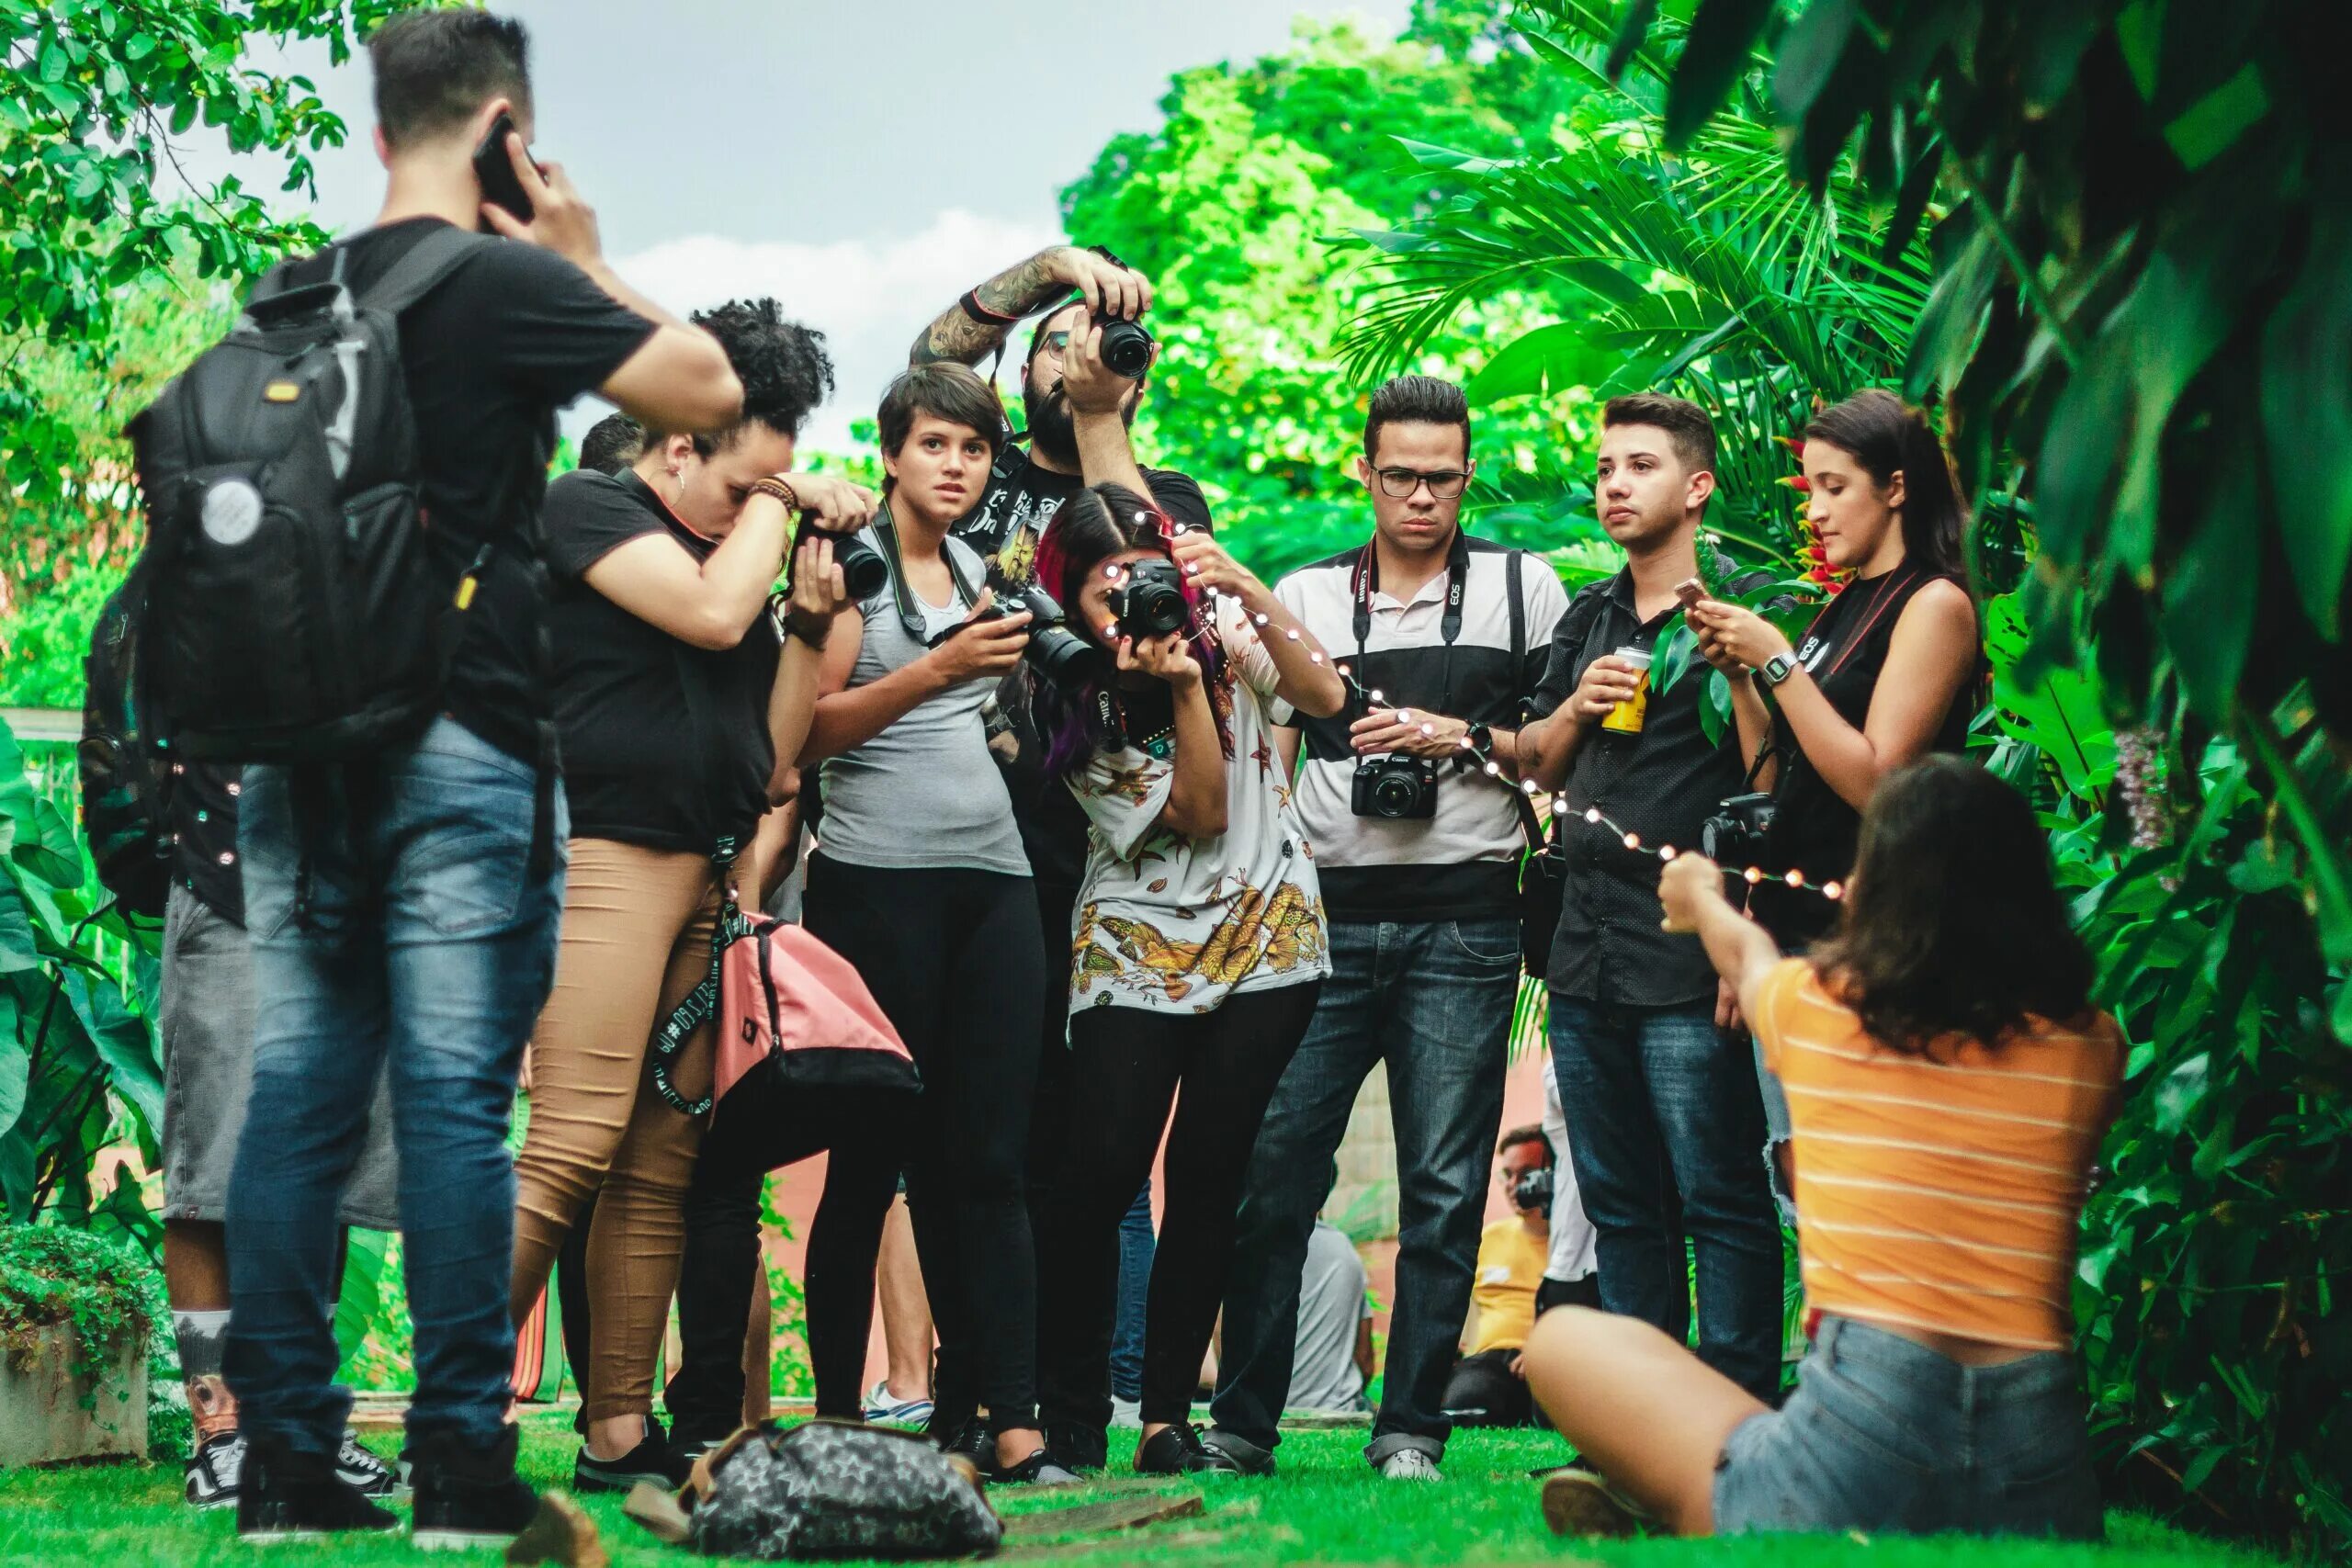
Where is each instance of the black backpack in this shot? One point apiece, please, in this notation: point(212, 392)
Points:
point(289, 605)
point(126, 806)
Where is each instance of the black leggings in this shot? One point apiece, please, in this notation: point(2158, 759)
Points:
point(1126, 1064)
point(953, 958)
point(760, 1126)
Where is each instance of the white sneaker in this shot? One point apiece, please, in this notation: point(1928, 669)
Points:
point(882, 1405)
point(1410, 1464)
point(357, 1467)
point(212, 1474)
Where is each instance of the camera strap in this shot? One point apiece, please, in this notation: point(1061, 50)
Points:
point(1365, 582)
point(967, 594)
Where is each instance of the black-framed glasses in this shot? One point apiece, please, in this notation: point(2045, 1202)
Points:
point(1445, 484)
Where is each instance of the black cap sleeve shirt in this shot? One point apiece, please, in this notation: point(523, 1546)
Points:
point(1659, 784)
point(665, 745)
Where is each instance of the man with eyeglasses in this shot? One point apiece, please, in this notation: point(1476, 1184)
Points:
point(1078, 413)
point(1417, 846)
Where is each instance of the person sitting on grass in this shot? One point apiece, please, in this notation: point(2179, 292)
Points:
point(1949, 1083)
point(1488, 1386)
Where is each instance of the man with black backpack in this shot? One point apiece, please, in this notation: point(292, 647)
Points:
point(344, 592)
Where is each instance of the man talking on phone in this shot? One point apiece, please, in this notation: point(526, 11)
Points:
point(402, 908)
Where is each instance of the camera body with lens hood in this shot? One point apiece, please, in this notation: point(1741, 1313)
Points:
point(1127, 347)
point(1733, 836)
point(1054, 652)
point(1398, 787)
point(863, 571)
point(1533, 1189)
point(1150, 603)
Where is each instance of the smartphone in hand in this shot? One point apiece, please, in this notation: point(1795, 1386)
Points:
point(1689, 591)
point(494, 167)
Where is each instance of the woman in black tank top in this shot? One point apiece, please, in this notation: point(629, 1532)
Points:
point(1892, 667)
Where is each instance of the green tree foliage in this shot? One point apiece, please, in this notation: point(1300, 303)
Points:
point(1236, 207)
point(2136, 332)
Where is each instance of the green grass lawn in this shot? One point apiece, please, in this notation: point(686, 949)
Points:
point(1326, 1506)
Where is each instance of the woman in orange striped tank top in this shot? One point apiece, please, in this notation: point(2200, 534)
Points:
point(1949, 1083)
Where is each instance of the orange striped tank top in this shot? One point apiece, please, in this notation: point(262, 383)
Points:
point(1939, 1192)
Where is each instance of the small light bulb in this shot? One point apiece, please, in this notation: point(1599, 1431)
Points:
point(1796, 879)
point(1345, 673)
point(1261, 618)
point(1291, 632)
point(1753, 876)
point(1633, 841)
point(1592, 814)
point(1428, 730)
point(1315, 658)
point(1378, 698)
point(1667, 852)
point(1833, 891)
point(1494, 770)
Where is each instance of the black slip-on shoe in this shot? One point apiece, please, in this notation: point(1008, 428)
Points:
point(469, 1497)
point(1177, 1451)
point(1249, 1458)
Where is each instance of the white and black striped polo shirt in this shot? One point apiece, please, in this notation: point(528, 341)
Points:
point(1460, 862)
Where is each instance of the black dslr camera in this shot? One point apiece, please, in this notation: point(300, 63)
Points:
point(864, 572)
point(1127, 346)
point(1054, 652)
point(1733, 836)
point(1534, 1190)
point(1398, 787)
point(1150, 603)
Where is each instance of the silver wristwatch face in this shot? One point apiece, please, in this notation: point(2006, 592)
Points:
point(1778, 668)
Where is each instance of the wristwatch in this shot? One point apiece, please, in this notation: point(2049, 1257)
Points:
point(1481, 737)
point(1777, 669)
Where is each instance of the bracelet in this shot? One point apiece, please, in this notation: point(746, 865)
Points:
point(779, 489)
point(794, 625)
point(980, 313)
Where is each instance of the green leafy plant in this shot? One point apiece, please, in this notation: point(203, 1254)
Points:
point(52, 1276)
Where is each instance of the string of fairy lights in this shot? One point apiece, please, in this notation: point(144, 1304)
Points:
point(1484, 759)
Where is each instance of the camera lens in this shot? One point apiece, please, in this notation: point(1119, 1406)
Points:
point(1061, 656)
point(1150, 603)
point(1127, 346)
point(863, 570)
point(1396, 794)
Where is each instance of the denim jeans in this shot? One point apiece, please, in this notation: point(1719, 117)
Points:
point(1652, 1089)
point(426, 942)
point(1136, 1244)
point(1433, 999)
point(1885, 1435)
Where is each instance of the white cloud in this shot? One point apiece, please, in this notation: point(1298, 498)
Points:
point(868, 296)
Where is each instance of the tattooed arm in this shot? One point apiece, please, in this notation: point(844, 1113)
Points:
point(1024, 290)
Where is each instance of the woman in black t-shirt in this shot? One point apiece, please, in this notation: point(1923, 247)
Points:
point(1892, 667)
point(677, 691)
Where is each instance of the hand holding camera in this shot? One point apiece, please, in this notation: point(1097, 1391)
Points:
point(1147, 601)
point(1108, 288)
point(1102, 364)
point(990, 642)
point(820, 589)
point(832, 502)
point(1167, 658)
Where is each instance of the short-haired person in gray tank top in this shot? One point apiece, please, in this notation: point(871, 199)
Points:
point(919, 880)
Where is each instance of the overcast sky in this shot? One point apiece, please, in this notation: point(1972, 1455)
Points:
point(864, 162)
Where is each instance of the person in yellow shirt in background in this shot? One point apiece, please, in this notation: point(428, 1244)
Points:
point(1489, 1388)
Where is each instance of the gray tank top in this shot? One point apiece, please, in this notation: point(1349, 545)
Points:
point(925, 792)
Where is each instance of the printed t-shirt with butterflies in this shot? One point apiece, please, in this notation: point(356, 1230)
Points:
point(1174, 924)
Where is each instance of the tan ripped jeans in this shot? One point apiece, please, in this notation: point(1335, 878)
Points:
point(635, 940)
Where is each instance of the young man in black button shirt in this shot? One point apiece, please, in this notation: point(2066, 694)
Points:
point(405, 910)
point(1425, 949)
point(1647, 1079)
point(1078, 413)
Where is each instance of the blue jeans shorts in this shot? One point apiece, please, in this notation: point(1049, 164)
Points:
point(1886, 1434)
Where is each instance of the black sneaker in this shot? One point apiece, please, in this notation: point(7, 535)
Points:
point(1037, 1470)
point(469, 1497)
point(1247, 1455)
point(969, 1437)
point(652, 1460)
point(212, 1472)
point(1177, 1451)
point(1077, 1447)
point(285, 1495)
point(363, 1469)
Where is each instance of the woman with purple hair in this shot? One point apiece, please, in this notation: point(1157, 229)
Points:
point(1198, 947)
